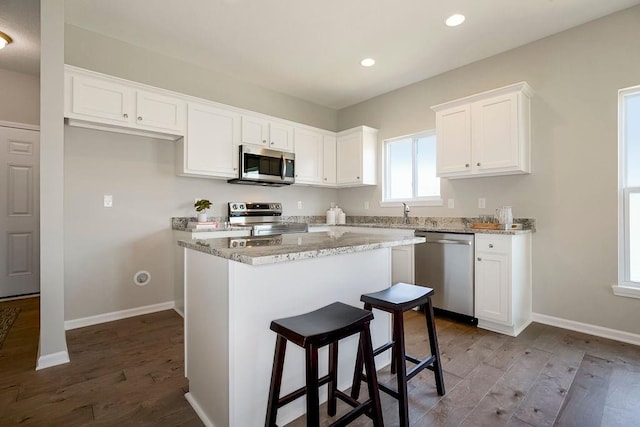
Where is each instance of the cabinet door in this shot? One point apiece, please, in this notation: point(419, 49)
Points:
point(453, 127)
point(280, 136)
point(309, 147)
point(160, 112)
point(492, 289)
point(211, 143)
point(254, 130)
point(329, 160)
point(495, 134)
point(349, 159)
point(402, 264)
point(102, 101)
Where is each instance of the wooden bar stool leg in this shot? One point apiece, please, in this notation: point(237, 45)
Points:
point(357, 373)
point(313, 405)
point(333, 378)
point(433, 343)
point(276, 381)
point(372, 377)
point(401, 364)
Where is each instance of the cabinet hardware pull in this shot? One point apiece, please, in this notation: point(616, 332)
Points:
point(272, 142)
point(125, 115)
point(466, 165)
point(490, 245)
point(357, 177)
point(325, 179)
point(478, 164)
point(264, 141)
point(479, 259)
point(140, 118)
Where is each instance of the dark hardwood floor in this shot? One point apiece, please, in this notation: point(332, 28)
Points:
point(130, 372)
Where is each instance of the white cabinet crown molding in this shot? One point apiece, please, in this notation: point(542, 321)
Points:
point(516, 87)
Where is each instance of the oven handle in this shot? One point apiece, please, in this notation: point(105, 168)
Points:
point(283, 167)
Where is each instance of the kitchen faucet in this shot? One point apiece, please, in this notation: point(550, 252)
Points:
point(405, 213)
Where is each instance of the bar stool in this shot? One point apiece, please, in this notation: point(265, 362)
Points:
point(396, 300)
point(311, 331)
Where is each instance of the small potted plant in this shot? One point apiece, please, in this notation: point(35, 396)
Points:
point(201, 207)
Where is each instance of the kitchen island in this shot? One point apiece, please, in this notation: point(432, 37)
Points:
point(234, 287)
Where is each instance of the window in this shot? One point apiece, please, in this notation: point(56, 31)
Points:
point(629, 191)
point(410, 170)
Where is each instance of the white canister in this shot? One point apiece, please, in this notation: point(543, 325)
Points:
point(331, 217)
point(342, 217)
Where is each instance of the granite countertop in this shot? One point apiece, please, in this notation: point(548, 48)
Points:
point(297, 246)
point(438, 229)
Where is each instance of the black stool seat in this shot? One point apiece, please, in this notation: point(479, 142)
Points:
point(399, 297)
point(325, 326)
point(396, 300)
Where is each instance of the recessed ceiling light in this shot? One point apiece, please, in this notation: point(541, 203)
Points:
point(368, 62)
point(454, 20)
point(4, 39)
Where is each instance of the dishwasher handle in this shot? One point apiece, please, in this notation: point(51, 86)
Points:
point(449, 242)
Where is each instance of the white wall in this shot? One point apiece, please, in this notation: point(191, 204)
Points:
point(572, 191)
point(20, 97)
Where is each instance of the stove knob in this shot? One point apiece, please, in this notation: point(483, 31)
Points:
point(278, 206)
point(234, 244)
point(234, 207)
point(242, 206)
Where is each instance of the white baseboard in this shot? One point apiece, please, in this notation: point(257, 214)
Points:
point(198, 410)
point(49, 360)
point(586, 328)
point(117, 315)
point(180, 312)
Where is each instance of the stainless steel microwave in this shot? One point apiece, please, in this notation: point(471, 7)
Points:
point(263, 166)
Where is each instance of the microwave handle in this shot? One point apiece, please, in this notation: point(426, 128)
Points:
point(283, 167)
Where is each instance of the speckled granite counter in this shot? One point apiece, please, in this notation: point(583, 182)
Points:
point(437, 228)
point(291, 247)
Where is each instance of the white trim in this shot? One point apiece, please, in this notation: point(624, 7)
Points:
point(586, 328)
point(436, 201)
point(16, 125)
point(55, 359)
point(198, 410)
point(626, 291)
point(117, 315)
point(180, 312)
point(33, 295)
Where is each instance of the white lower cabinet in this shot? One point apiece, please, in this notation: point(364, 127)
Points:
point(503, 282)
point(402, 264)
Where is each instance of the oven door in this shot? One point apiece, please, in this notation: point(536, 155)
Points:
point(264, 165)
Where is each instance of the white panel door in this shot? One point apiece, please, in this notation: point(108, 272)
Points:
point(212, 141)
point(329, 160)
point(160, 112)
point(349, 155)
point(99, 99)
point(281, 137)
point(495, 133)
point(254, 130)
point(19, 207)
point(309, 148)
point(453, 127)
point(493, 297)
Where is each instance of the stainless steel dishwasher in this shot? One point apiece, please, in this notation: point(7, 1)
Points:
point(445, 263)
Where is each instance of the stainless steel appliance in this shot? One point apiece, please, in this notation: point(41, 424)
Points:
point(264, 219)
point(445, 263)
point(263, 166)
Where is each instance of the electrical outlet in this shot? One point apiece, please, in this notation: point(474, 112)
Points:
point(450, 203)
point(108, 201)
point(366, 205)
point(299, 204)
point(482, 203)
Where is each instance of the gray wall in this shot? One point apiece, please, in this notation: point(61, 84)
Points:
point(572, 191)
point(109, 56)
point(105, 247)
point(20, 97)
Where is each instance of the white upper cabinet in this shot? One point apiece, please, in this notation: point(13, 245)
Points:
point(210, 147)
point(159, 111)
point(309, 156)
point(486, 134)
point(259, 131)
point(329, 157)
point(356, 157)
point(98, 101)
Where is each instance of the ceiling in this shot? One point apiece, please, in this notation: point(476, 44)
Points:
point(311, 50)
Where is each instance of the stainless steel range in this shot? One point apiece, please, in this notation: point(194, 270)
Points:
point(265, 219)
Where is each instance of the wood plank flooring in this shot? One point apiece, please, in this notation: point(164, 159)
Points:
point(130, 372)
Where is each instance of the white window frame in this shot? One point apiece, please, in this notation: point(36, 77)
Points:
point(415, 201)
point(625, 286)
